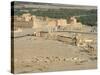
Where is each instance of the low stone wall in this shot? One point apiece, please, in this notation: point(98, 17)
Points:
point(64, 39)
point(22, 24)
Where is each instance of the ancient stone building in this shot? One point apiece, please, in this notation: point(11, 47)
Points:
point(22, 22)
point(73, 20)
point(52, 22)
point(61, 22)
point(39, 22)
point(27, 17)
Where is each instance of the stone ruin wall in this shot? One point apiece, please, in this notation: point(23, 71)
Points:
point(32, 21)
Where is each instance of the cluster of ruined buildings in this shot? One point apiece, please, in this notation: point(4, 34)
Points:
point(38, 22)
point(31, 21)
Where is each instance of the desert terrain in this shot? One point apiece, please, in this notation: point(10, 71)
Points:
point(53, 53)
point(53, 37)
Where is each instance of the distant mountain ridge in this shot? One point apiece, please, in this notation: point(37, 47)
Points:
point(20, 4)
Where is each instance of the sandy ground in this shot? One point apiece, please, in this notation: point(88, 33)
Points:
point(36, 54)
